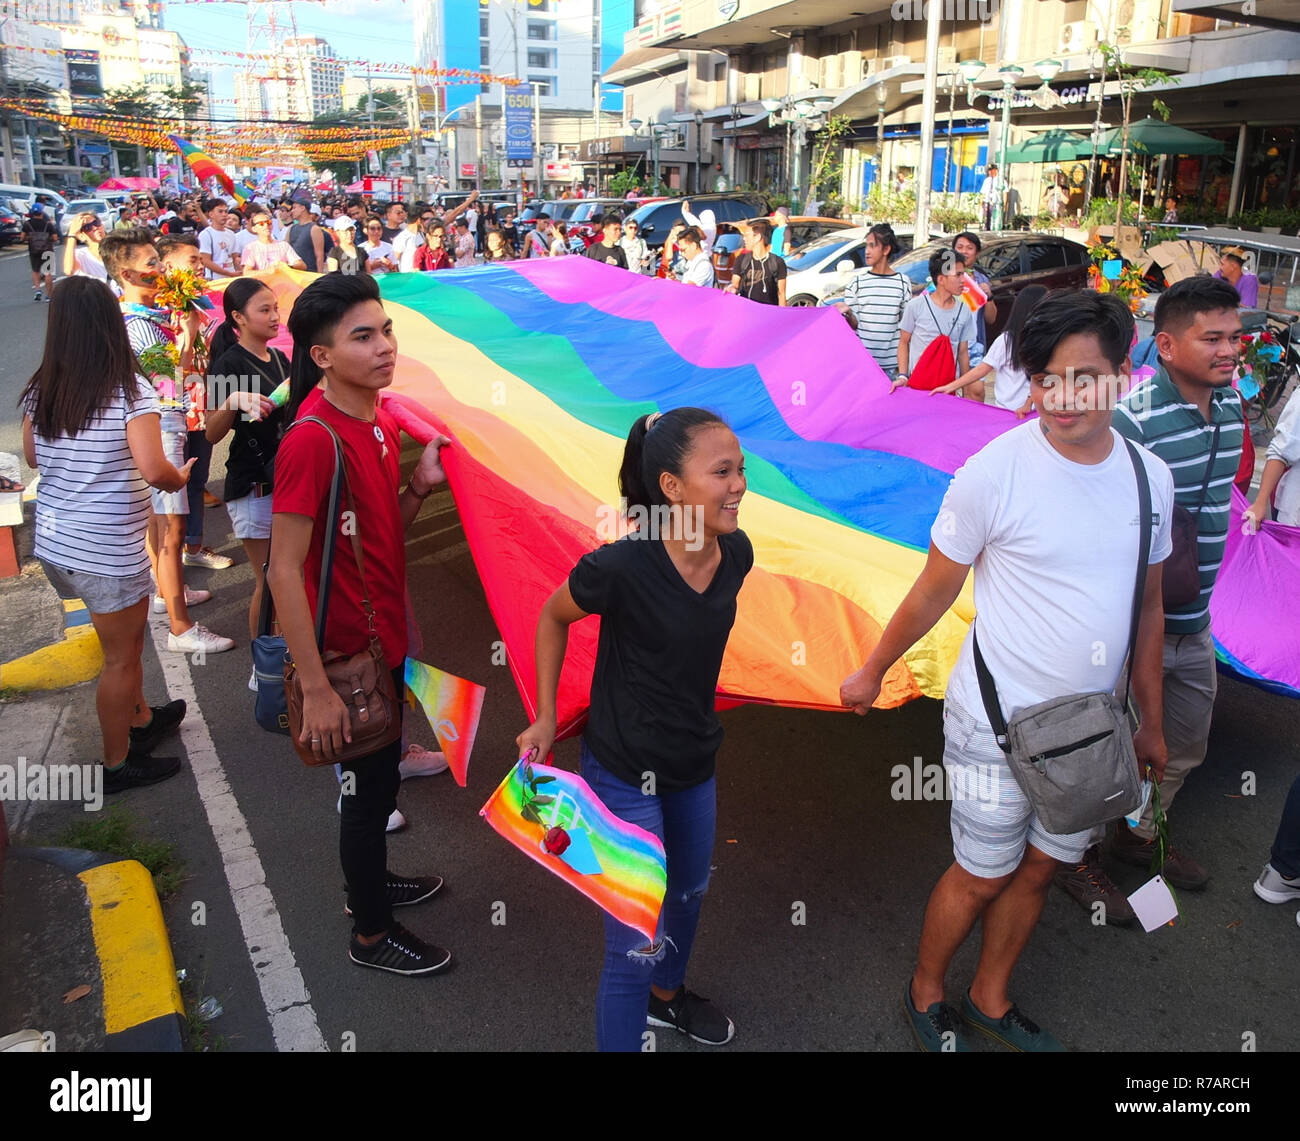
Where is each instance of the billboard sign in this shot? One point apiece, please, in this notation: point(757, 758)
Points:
point(519, 127)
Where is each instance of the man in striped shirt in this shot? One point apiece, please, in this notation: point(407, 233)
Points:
point(1180, 415)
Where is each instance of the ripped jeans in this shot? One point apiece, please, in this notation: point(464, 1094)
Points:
point(685, 821)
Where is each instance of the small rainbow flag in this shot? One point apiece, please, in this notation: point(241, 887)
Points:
point(553, 816)
point(205, 167)
point(452, 706)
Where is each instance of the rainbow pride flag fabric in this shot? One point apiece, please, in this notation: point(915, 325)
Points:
point(453, 706)
point(205, 167)
point(553, 816)
point(537, 369)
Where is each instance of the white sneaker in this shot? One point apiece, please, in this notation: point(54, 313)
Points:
point(192, 598)
point(396, 822)
point(418, 761)
point(199, 638)
point(206, 557)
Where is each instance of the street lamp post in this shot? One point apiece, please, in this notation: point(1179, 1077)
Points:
point(971, 70)
point(798, 116)
point(699, 131)
point(882, 97)
point(1009, 73)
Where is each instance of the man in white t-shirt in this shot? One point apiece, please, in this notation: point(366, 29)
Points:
point(405, 244)
point(989, 194)
point(216, 243)
point(1048, 515)
point(246, 236)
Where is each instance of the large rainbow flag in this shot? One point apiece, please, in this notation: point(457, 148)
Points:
point(537, 369)
point(205, 167)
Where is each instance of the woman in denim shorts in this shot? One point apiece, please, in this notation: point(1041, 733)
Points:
point(91, 428)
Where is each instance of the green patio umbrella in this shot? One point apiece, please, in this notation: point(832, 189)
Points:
point(1051, 146)
point(1156, 137)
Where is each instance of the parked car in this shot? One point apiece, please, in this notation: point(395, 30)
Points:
point(801, 231)
point(821, 270)
point(11, 222)
point(655, 219)
point(54, 202)
point(79, 206)
point(1012, 259)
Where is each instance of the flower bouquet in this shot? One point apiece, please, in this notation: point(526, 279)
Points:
point(180, 290)
point(1258, 352)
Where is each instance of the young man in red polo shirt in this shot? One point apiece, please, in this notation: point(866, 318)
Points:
point(342, 335)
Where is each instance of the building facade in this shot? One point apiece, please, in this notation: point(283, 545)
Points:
point(769, 73)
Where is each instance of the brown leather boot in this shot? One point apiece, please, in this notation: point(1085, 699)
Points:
point(1180, 869)
point(1088, 883)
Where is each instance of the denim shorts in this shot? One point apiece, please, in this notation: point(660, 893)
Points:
point(991, 819)
point(101, 593)
point(250, 516)
point(172, 502)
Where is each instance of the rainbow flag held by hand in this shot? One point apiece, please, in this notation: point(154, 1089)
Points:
point(553, 816)
point(205, 167)
point(973, 295)
point(452, 706)
point(511, 361)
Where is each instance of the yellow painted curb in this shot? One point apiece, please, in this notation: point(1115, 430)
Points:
point(79, 657)
point(135, 954)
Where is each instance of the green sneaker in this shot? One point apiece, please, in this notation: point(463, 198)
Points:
point(1013, 1030)
point(937, 1029)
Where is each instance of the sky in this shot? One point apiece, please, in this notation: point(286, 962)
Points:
point(381, 30)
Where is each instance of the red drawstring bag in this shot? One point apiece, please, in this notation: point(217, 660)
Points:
point(937, 366)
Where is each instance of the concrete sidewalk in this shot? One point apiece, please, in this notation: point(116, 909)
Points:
point(68, 918)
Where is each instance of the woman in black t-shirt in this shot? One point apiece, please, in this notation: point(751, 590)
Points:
point(243, 374)
point(666, 594)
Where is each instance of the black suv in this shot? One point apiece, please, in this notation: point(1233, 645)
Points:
point(655, 219)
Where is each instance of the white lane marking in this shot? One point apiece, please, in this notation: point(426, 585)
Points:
point(284, 994)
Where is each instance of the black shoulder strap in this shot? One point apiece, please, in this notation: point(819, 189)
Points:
point(1209, 467)
point(327, 551)
point(1144, 556)
point(988, 690)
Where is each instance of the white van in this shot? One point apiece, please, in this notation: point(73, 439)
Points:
point(52, 200)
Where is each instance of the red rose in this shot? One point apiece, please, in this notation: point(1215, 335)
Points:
point(1266, 338)
point(1247, 339)
point(556, 841)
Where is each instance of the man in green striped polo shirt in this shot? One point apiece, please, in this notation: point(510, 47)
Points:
point(1185, 414)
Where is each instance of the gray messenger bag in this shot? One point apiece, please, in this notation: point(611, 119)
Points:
point(1073, 756)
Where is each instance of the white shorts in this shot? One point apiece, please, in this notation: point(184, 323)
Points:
point(172, 502)
point(250, 516)
point(992, 820)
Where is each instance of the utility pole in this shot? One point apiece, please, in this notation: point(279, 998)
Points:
point(537, 145)
point(478, 142)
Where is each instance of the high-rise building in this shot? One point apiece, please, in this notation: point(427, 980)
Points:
point(562, 46)
point(303, 82)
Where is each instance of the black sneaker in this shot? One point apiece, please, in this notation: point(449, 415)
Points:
point(165, 719)
point(139, 769)
point(400, 953)
point(692, 1015)
point(402, 891)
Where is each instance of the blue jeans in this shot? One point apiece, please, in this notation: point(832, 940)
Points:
point(684, 820)
point(201, 450)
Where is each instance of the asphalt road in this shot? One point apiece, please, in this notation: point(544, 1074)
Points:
point(805, 816)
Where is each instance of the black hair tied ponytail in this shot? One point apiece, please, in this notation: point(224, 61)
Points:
point(234, 299)
point(656, 444)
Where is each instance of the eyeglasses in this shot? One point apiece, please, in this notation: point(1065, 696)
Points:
point(264, 222)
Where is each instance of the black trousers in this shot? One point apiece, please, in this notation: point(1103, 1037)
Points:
point(363, 824)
